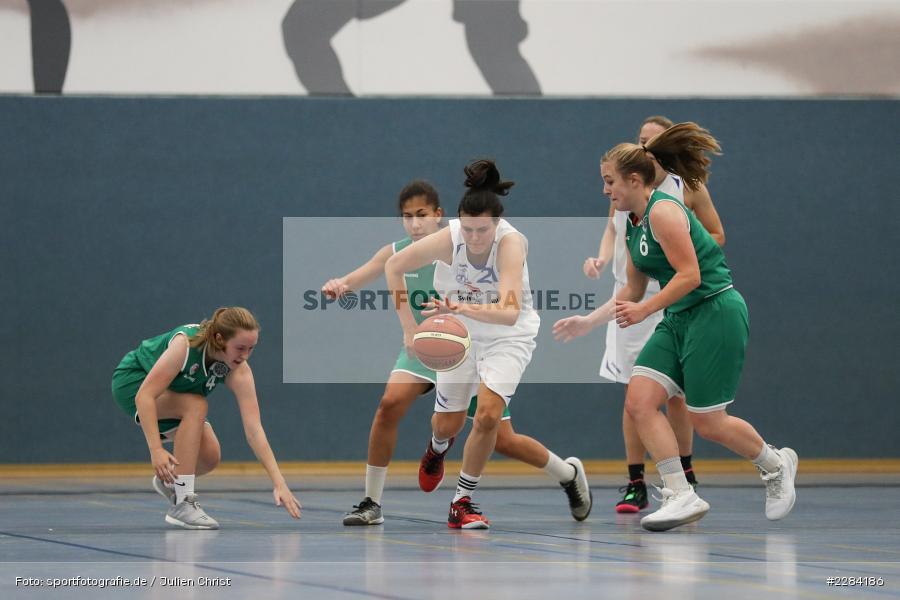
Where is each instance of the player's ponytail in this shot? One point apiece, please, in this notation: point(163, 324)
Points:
point(226, 321)
point(631, 158)
point(484, 189)
point(683, 149)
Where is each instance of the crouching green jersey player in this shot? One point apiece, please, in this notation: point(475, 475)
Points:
point(163, 385)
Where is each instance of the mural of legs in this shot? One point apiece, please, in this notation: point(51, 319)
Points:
point(308, 28)
point(51, 41)
point(494, 30)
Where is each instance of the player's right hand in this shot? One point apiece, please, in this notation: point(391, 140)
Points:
point(284, 497)
point(164, 464)
point(335, 288)
point(593, 266)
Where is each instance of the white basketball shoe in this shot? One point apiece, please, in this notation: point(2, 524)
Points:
point(678, 508)
point(780, 491)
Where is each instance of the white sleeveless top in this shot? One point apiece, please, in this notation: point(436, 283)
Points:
point(671, 185)
point(465, 282)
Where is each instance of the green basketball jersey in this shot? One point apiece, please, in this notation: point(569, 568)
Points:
point(649, 258)
point(419, 284)
point(194, 378)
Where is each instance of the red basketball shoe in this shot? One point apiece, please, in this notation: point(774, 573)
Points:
point(465, 515)
point(431, 468)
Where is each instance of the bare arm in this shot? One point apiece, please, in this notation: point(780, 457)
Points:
point(437, 246)
point(157, 381)
point(670, 227)
point(593, 266)
point(566, 329)
point(511, 256)
point(608, 241)
point(633, 291)
point(701, 203)
point(368, 272)
point(241, 383)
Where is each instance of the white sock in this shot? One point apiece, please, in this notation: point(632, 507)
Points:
point(559, 469)
point(768, 460)
point(672, 474)
point(375, 477)
point(466, 485)
point(439, 446)
point(184, 485)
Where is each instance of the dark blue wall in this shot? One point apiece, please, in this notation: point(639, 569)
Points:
point(123, 217)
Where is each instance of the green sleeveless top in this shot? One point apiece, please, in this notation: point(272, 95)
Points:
point(419, 284)
point(194, 378)
point(649, 258)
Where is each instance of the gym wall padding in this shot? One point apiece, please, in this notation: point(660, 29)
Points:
point(124, 217)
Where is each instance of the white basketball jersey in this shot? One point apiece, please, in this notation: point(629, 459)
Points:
point(671, 185)
point(468, 283)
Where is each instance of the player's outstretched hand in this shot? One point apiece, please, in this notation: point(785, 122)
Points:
point(164, 464)
point(570, 328)
point(284, 497)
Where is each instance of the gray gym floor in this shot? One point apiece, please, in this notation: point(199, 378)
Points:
point(108, 528)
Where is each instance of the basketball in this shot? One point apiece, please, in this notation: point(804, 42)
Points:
point(441, 342)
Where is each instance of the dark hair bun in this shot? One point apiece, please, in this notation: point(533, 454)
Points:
point(483, 175)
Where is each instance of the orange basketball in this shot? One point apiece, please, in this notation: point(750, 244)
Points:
point(441, 342)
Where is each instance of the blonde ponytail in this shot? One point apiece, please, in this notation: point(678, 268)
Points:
point(226, 321)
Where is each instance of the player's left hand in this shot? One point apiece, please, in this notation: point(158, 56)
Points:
point(440, 307)
point(284, 497)
point(629, 313)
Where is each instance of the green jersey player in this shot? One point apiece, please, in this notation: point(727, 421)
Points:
point(624, 345)
point(697, 350)
point(163, 385)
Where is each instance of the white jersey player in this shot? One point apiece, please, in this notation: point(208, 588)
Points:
point(465, 281)
point(484, 282)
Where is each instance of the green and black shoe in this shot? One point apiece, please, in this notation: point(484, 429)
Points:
point(635, 498)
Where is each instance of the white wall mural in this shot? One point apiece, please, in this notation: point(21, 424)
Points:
point(658, 48)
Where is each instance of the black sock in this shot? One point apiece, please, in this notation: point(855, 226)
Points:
point(636, 472)
point(688, 469)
